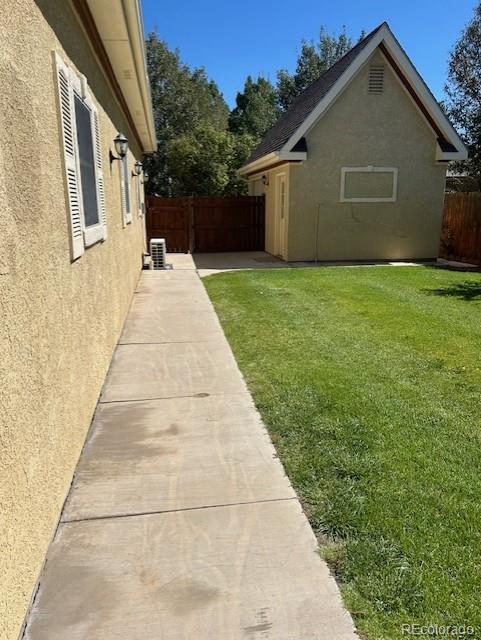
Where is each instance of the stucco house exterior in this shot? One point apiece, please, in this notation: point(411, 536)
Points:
point(73, 76)
point(355, 169)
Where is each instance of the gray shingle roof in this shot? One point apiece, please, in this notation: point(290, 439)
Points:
point(306, 102)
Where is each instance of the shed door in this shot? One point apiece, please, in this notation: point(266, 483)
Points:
point(280, 244)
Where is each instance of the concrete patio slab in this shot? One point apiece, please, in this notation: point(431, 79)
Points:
point(148, 371)
point(180, 261)
point(166, 455)
point(229, 573)
point(460, 266)
point(210, 263)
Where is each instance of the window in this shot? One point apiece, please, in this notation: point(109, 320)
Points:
point(82, 160)
point(376, 78)
point(83, 119)
point(369, 184)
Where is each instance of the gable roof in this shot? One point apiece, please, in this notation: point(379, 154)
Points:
point(305, 102)
point(280, 141)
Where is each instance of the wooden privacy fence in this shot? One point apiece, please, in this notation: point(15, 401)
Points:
point(461, 232)
point(169, 218)
point(207, 224)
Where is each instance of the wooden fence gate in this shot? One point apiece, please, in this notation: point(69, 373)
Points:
point(169, 218)
point(461, 233)
point(207, 224)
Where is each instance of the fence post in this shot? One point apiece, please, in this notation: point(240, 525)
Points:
point(191, 222)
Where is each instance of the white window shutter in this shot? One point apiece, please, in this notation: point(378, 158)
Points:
point(139, 195)
point(123, 195)
point(69, 144)
point(93, 233)
point(100, 174)
point(125, 191)
point(142, 194)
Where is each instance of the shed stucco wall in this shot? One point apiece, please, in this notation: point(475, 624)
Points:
point(362, 129)
point(59, 321)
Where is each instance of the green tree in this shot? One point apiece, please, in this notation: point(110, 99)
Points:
point(463, 90)
point(312, 61)
point(204, 161)
point(256, 108)
point(182, 99)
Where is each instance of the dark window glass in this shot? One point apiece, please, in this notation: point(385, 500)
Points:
point(126, 176)
point(87, 162)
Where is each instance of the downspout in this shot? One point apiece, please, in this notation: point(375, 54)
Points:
point(317, 232)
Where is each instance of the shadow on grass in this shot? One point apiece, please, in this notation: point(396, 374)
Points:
point(464, 268)
point(463, 291)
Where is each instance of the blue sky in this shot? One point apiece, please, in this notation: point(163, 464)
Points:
point(235, 39)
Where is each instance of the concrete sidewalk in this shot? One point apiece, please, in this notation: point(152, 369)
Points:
point(180, 523)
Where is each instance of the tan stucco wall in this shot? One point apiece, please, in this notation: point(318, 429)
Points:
point(59, 321)
point(360, 130)
point(256, 186)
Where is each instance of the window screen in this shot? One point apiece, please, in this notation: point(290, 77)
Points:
point(87, 162)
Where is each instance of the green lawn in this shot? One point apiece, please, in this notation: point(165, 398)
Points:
point(369, 381)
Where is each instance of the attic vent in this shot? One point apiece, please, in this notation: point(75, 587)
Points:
point(157, 251)
point(376, 78)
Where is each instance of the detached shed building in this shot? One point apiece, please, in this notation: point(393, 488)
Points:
point(355, 169)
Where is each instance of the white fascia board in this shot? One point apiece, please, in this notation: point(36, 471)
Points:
point(133, 13)
point(392, 45)
point(271, 158)
point(425, 95)
point(448, 156)
point(335, 90)
point(293, 155)
point(119, 24)
point(259, 163)
point(440, 155)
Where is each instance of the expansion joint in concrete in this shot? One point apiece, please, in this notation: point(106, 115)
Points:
point(160, 512)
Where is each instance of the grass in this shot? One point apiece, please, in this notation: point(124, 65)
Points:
point(369, 381)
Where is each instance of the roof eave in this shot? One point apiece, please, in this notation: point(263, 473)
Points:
point(450, 156)
point(258, 164)
point(119, 25)
point(335, 90)
point(426, 97)
point(272, 158)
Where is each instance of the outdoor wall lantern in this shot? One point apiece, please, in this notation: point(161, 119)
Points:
point(265, 180)
point(137, 169)
point(121, 147)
